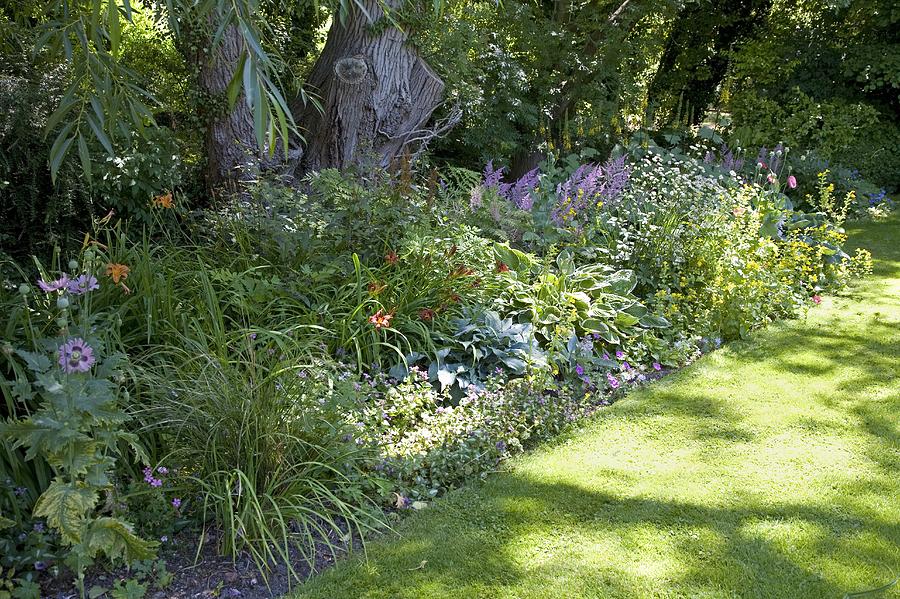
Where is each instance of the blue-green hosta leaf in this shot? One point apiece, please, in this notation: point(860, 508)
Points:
point(66, 508)
point(516, 365)
point(115, 539)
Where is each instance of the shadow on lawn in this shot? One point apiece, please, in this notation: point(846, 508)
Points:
point(737, 561)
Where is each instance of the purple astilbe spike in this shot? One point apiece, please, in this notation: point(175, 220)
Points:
point(520, 192)
point(776, 159)
point(492, 177)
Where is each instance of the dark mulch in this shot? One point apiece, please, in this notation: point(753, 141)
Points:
point(210, 574)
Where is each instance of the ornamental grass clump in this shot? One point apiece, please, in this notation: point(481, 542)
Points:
point(277, 474)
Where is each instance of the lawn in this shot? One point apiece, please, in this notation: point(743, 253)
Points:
point(766, 469)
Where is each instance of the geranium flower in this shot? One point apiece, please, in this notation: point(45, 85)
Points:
point(176, 503)
point(620, 354)
point(49, 286)
point(392, 258)
point(579, 370)
point(76, 356)
point(83, 284)
point(657, 366)
point(163, 201)
point(381, 319)
point(117, 272)
point(613, 381)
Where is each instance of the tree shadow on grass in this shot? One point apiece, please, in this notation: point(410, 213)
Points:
point(712, 551)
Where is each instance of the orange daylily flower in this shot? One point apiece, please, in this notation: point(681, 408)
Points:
point(163, 201)
point(381, 319)
point(117, 272)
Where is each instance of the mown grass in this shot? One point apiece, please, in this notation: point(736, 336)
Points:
point(770, 468)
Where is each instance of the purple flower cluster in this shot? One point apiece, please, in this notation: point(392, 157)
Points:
point(518, 193)
point(730, 162)
point(152, 480)
point(77, 286)
point(76, 355)
point(587, 187)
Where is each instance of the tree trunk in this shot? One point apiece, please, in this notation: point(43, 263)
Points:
point(376, 92)
point(232, 153)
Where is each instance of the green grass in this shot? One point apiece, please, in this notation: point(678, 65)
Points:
point(767, 469)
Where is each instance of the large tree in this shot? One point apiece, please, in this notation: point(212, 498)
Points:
point(376, 94)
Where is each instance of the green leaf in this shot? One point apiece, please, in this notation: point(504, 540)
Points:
point(66, 508)
point(113, 26)
point(625, 319)
point(100, 134)
point(654, 322)
point(59, 148)
point(85, 158)
point(234, 86)
point(39, 363)
point(115, 539)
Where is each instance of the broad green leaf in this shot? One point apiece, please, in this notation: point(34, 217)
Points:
point(116, 539)
point(66, 508)
point(655, 322)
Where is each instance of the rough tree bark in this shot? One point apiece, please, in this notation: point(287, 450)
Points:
point(230, 142)
point(376, 91)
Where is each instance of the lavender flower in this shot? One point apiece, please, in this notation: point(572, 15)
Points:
point(76, 356)
point(82, 285)
point(61, 283)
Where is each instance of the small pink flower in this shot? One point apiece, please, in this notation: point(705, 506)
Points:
point(792, 181)
point(817, 299)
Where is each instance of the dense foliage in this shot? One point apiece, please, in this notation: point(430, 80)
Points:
point(278, 363)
